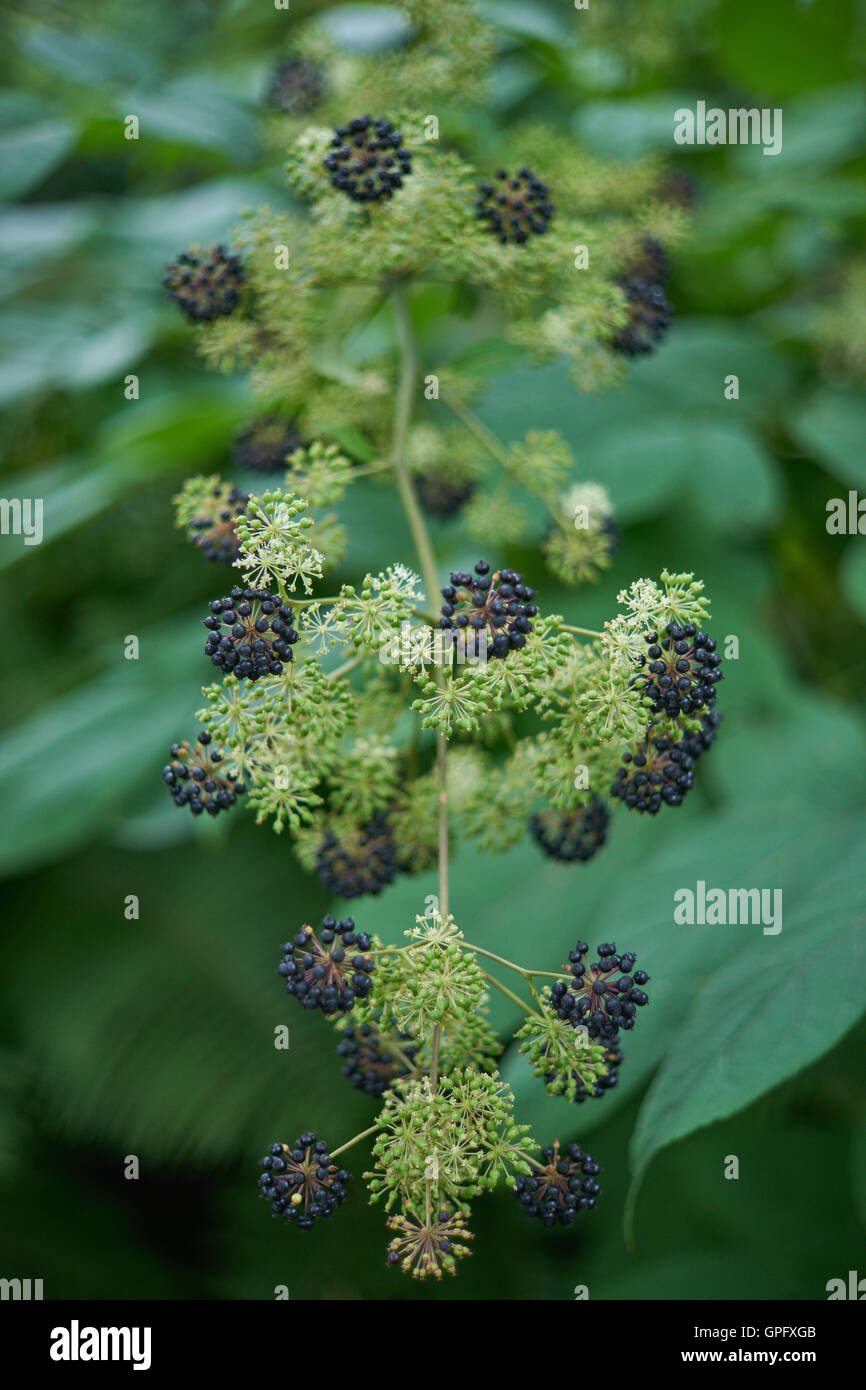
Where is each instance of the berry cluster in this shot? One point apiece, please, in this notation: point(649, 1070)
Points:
point(321, 973)
point(367, 161)
point(661, 770)
point(196, 780)
point(560, 1187)
point(359, 862)
point(514, 209)
point(295, 87)
point(682, 669)
point(212, 529)
point(571, 835)
point(301, 1183)
point(604, 1081)
point(259, 636)
point(488, 612)
point(442, 497)
point(205, 283)
point(264, 445)
point(370, 1065)
point(649, 313)
point(431, 1246)
point(603, 997)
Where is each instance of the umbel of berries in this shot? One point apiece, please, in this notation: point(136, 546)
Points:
point(573, 836)
point(359, 861)
point(251, 634)
point(296, 87)
point(328, 972)
point(557, 1189)
point(367, 160)
point(212, 529)
point(370, 1065)
point(514, 207)
point(264, 445)
point(301, 1183)
point(488, 613)
point(196, 778)
point(649, 313)
point(205, 283)
point(680, 670)
point(660, 770)
point(603, 997)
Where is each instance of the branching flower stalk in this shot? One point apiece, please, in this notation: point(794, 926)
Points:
point(375, 723)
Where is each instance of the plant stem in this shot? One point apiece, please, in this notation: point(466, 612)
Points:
point(475, 426)
point(357, 1139)
point(427, 562)
point(582, 631)
point(518, 969)
point(402, 417)
point(524, 1007)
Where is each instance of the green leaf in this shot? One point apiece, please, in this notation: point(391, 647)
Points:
point(778, 1004)
point(28, 155)
point(832, 426)
point(852, 576)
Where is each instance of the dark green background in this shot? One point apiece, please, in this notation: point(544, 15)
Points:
point(154, 1037)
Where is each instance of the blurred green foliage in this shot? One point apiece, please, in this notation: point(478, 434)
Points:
point(155, 1037)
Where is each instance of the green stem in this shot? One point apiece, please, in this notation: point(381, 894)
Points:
point(582, 631)
point(524, 1007)
point(518, 969)
point(402, 417)
point(357, 1139)
point(475, 426)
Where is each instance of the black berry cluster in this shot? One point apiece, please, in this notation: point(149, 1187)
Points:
point(212, 529)
point(328, 972)
point(264, 445)
point(680, 670)
point(363, 861)
point(367, 160)
point(605, 1082)
point(489, 613)
point(571, 836)
point(251, 634)
point(649, 313)
point(559, 1188)
point(195, 779)
point(440, 496)
point(296, 87)
point(205, 283)
point(603, 997)
point(514, 208)
point(301, 1183)
point(369, 1064)
point(660, 770)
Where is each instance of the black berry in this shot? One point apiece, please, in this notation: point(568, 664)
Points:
point(680, 670)
point(369, 1064)
point(196, 778)
point(205, 283)
point(251, 634)
point(514, 207)
point(264, 445)
point(301, 1183)
point(360, 861)
point(571, 836)
point(560, 1187)
point(603, 997)
point(331, 971)
point(649, 313)
point(489, 614)
point(660, 771)
point(367, 160)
